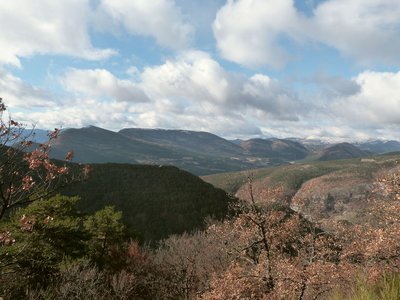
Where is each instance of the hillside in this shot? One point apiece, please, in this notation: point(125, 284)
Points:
point(379, 146)
point(275, 148)
point(97, 145)
point(194, 141)
point(324, 191)
point(341, 151)
point(197, 152)
point(333, 197)
point(155, 201)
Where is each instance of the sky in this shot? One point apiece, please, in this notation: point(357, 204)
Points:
point(317, 69)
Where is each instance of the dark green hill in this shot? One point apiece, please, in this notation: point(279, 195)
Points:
point(155, 201)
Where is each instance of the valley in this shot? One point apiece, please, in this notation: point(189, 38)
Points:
point(129, 211)
point(136, 224)
point(200, 150)
point(326, 192)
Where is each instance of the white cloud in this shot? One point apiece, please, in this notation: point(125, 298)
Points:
point(176, 94)
point(193, 76)
point(18, 93)
point(160, 19)
point(377, 102)
point(80, 112)
point(46, 27)
point(247, 31)
point(271, 98)
point(197, 79)
point(336, 86)
point(99, 83)
point(366, 30)
point(191, 91)
point(250, 32)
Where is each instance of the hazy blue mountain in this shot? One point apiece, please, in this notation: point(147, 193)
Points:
point(380, 146)
point(37, 135)
point(237, 141)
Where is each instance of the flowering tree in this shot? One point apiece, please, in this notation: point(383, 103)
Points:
point(26, 172)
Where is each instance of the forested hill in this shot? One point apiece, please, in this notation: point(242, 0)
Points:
point(156, 201)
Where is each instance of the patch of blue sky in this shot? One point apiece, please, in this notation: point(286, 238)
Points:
point(319, 58)
point(133, 50)
point(45, 71)
point(307, 6)
point(33, 69)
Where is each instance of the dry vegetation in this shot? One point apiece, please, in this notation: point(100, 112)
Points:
point(265, 250)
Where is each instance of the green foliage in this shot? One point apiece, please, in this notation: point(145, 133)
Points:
point(45, 233)
point(57, 221)
point(156, 201)
point(106, 230)
point(47, 236)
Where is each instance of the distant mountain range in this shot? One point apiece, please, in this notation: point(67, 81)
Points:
point(197, 152)
point(200, 153)
point(379, 146)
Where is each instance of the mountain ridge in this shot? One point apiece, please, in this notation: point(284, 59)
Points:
point(199, 152)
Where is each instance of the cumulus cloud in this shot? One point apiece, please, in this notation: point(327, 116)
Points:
point(200, 80)
point(18, 93)
point(193, 91)
point(194, 75)
point(190, 91)
point(46, 27)
point(99, 83)
point(160, 19)
point(377, 102)
point(336, 85)
point(250, 32)
point(271, 98)
point(79, 112)
point(366, 30)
